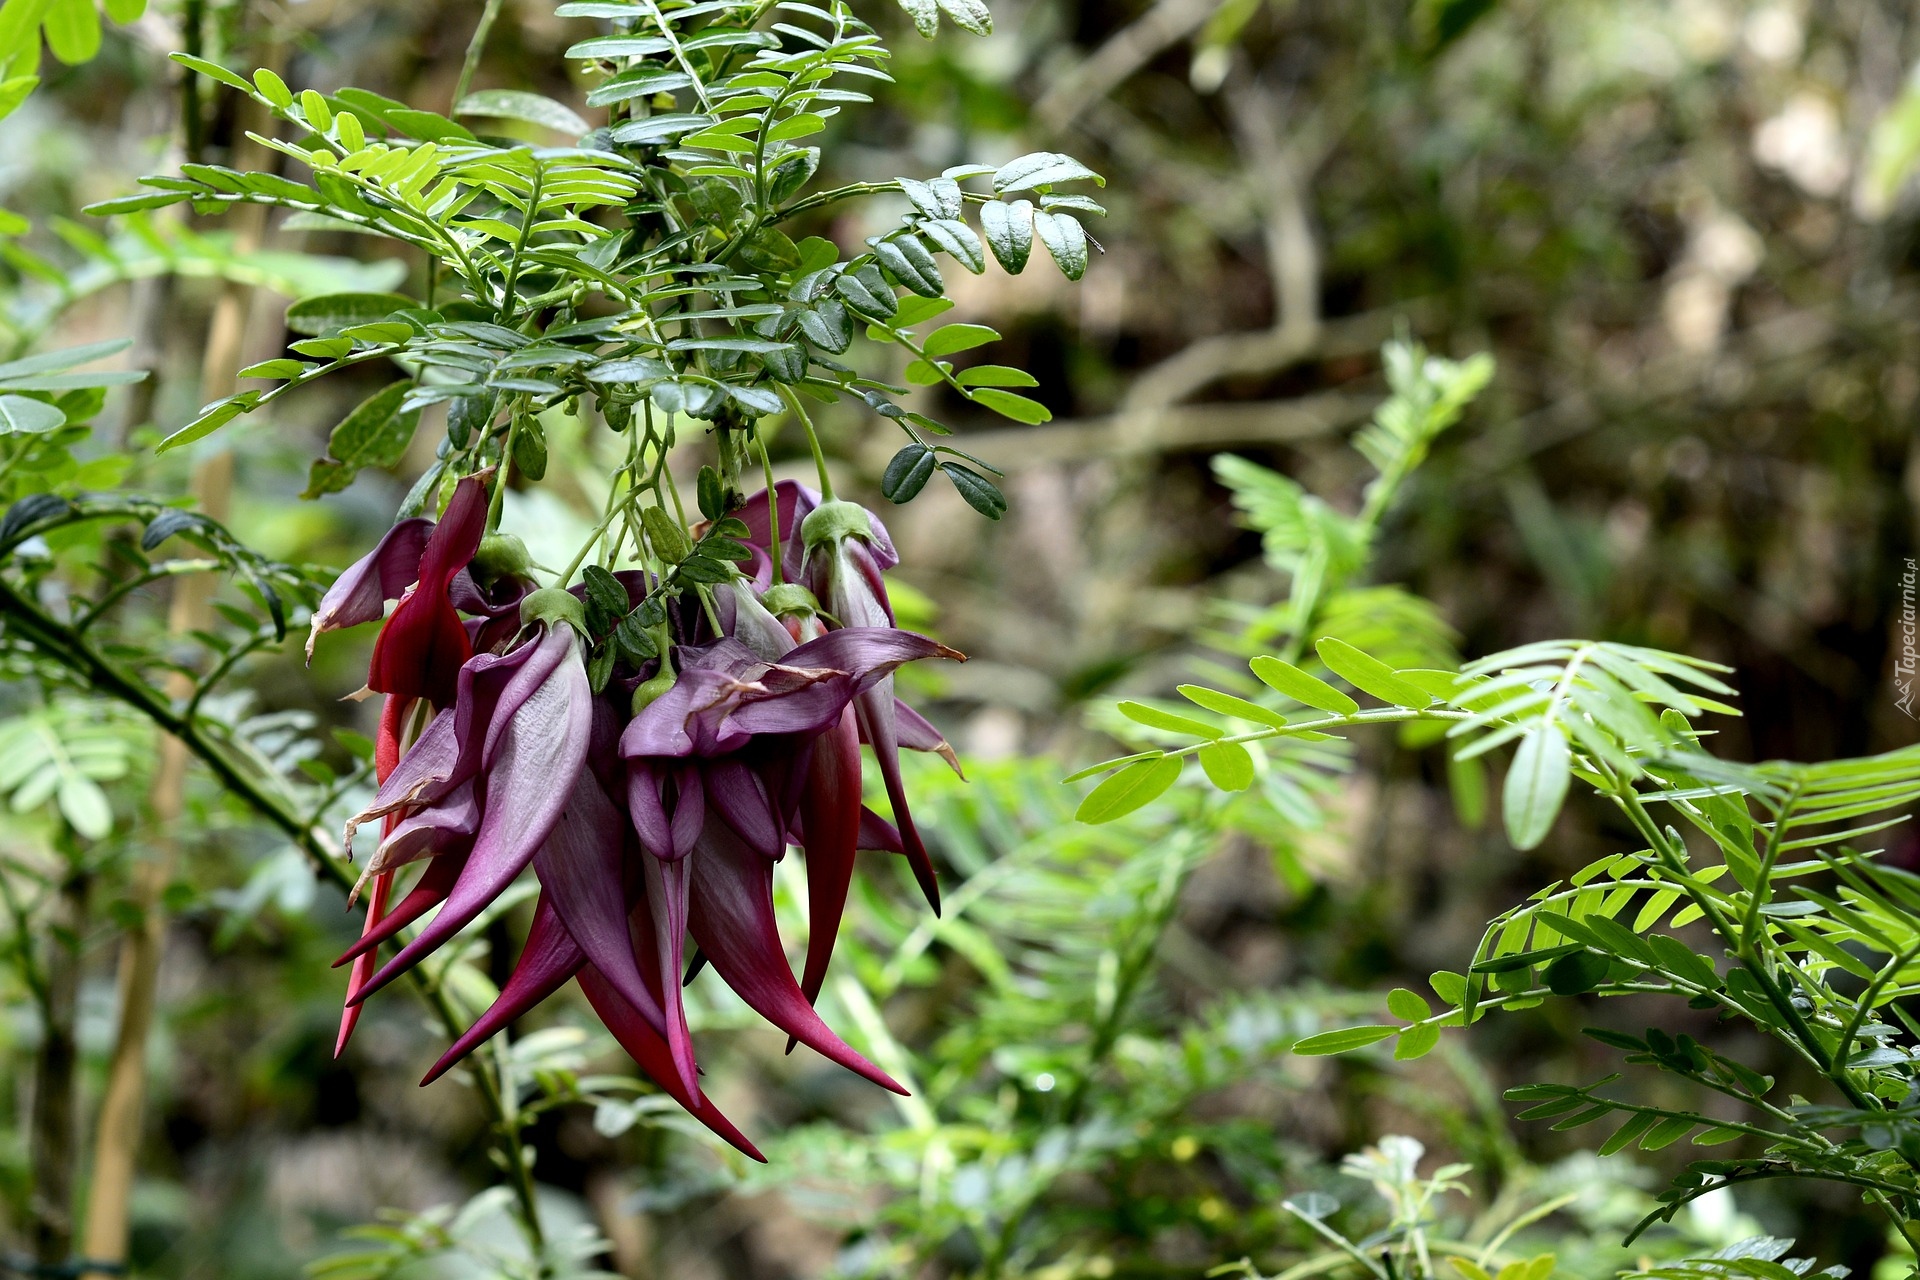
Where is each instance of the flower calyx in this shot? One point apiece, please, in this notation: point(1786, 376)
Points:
point(835, 522)
point(553, 605)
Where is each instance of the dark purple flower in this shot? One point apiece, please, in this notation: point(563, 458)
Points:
point(647, 832)
point(718, 766)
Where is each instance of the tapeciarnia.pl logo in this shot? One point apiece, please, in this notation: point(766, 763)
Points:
point(1907, 664)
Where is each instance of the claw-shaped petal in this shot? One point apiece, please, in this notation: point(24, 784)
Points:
point(731, 918)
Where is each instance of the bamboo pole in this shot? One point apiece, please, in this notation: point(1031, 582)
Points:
point(117, 1138)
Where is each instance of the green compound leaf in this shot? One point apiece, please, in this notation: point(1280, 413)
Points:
point(24, 416)
point(532, 108)
point(958, 337)
point(1416, 1042)
point(1170, 722)
point(1409, 1006)
point(334, 311)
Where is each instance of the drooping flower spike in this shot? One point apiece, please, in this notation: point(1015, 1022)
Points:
point(650, 812)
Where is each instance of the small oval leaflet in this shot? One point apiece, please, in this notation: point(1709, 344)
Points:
point(1536, 785)
point(907, 474)
point(1139, 784)
point(980, 493)
point(1343, 1040)
point(1228, 765)
point(1308, 690)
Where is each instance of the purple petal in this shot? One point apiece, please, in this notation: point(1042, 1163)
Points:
point(796, 701)
point(454, 745)
point(867, 653)
point(646, 809)
point(550, 957)
point(582, 872)
point(534, 757)
point(739, 796)
point(361, 592)
point(916, 733)
point(502, 600)
point(877, 834)
point(796, 501)
point(689, 811)
point(447, 826)
point(731, 918)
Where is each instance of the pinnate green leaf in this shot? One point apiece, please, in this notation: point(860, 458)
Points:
point(1408, 1006)
point(908, 473)
point(375, 434)
point(958, 337)
point(334, 311)
point(23, 415)
point(1066, 242)
point(1008, 405)
point(531, 108)
point(1227, 704)
point(1009, 232)
point(1040, 169)
point(1416, 1042)
point(979, 492)
point(996, 375)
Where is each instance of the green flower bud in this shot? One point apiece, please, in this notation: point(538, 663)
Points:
point(649, 690)
point(501, 555)
point(788, 599)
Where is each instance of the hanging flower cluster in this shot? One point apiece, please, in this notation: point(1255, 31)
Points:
point(650, 742)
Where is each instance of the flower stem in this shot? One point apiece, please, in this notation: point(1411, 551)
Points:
point(498, 500)
point(773, 504)
point(813, 441)
point(475, 47)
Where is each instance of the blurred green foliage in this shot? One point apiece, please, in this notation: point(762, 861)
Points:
point(1682, 229)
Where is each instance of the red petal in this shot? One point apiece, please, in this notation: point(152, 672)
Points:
point(550, 957)
point(662, 929)
point(650, 1052)
point(420, 650)
point(830, 812)
point(875, 711)
point(732, 921)
point(428, 892)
